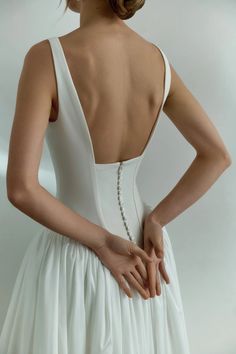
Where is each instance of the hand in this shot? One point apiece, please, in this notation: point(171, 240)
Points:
point(125, 260)
point(154, 247)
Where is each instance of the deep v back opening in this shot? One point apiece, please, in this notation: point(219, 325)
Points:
point(85, 120)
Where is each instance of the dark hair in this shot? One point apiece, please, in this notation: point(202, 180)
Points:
point(123, 8)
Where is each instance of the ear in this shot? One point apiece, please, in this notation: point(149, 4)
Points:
point(74, 5)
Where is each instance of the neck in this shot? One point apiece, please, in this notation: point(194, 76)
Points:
point(98, 13)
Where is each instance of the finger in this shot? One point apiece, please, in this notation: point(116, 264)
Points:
point(158, 283)
point(122, 283)
point(141, 253)
point(142, 270)
point(152, 271)
point(164, 272)
point(159, 251)
point(137, 275)
point(131, 279)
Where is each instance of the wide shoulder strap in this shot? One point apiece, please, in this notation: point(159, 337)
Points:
point(57, 55)
point(59, 64)
point(167, 73)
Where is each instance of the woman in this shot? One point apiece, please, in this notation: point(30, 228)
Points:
point(101, 276)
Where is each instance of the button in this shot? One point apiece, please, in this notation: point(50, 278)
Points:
point(120, 201)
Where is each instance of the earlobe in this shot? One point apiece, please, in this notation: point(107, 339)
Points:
point(74, 5)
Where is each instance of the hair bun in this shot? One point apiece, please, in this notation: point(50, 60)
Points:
point(126, 8)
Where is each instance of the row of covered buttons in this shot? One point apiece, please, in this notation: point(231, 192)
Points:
point(120, 201)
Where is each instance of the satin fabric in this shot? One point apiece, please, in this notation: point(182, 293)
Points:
point(65, 301)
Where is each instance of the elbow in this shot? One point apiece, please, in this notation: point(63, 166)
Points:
point(225, 159)
point(221, 158)
point(16, 196)
point(19, 196)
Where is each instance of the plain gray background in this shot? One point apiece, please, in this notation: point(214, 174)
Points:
point(199, 39)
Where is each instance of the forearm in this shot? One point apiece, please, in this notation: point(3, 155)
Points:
point(198, 178)
point(44, 208)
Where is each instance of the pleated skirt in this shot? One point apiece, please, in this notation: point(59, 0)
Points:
point(65, 301)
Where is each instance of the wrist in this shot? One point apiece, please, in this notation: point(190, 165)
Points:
point(154, 218)
point(101, 241)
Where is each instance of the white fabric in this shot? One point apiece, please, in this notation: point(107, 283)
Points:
point(65, 301)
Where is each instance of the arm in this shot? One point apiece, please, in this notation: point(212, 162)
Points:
point(211, 159)
point(33, 106)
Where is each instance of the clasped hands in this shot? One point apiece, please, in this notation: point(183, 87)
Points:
point(128, 262)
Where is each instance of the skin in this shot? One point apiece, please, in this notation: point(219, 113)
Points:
point(92, 50)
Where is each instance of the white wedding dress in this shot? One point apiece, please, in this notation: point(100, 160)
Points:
point(65, 301)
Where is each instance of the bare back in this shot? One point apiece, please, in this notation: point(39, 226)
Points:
point(120, 83)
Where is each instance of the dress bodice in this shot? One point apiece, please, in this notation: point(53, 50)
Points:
point(106, 194)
